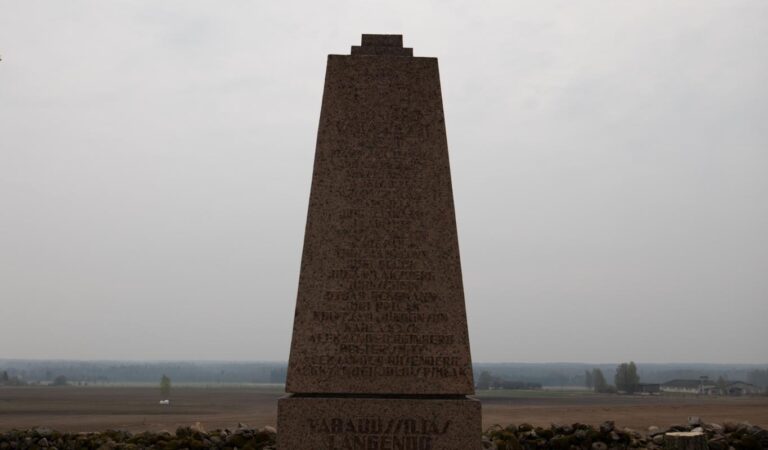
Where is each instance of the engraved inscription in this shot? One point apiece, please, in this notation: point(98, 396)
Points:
point(380, 302)
point(376, 433)
point(380, 305)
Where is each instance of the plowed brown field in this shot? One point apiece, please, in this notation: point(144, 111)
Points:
point(137, 408)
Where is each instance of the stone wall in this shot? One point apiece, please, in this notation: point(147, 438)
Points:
point(738, 436)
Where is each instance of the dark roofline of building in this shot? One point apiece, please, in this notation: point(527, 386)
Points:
point(688, 383)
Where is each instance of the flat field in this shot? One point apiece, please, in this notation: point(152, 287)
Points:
point(637, 412)
point(137, 408)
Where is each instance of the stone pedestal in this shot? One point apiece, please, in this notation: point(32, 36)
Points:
point(380, 341)
point(361, 423)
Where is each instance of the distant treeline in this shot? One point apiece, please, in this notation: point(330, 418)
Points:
point(573, 374)
point(523, 374)
point(486, 381)
point(94, 372)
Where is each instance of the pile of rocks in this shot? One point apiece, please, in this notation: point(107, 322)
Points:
point(729, 436)
point(194, 437)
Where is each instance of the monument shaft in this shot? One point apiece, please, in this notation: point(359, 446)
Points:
point(380, 309)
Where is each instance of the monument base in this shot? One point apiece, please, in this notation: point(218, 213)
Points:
point(366, 423)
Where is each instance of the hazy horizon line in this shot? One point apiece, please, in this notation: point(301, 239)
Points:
point(254, 361)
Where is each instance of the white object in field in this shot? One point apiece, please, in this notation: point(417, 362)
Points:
point(165, 402)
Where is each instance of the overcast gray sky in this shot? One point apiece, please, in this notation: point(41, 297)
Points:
point(609, 162)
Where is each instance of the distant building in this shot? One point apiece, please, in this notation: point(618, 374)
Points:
point(648, 388)
point(704, 386)
point(700, 386)
point(742, 388)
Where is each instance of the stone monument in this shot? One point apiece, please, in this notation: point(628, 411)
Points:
point(380, 353)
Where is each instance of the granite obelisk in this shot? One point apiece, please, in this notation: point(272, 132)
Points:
point(380, 354)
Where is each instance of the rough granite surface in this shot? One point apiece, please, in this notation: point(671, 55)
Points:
point(321, 423)
point(380, 353)
point(380, 307)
